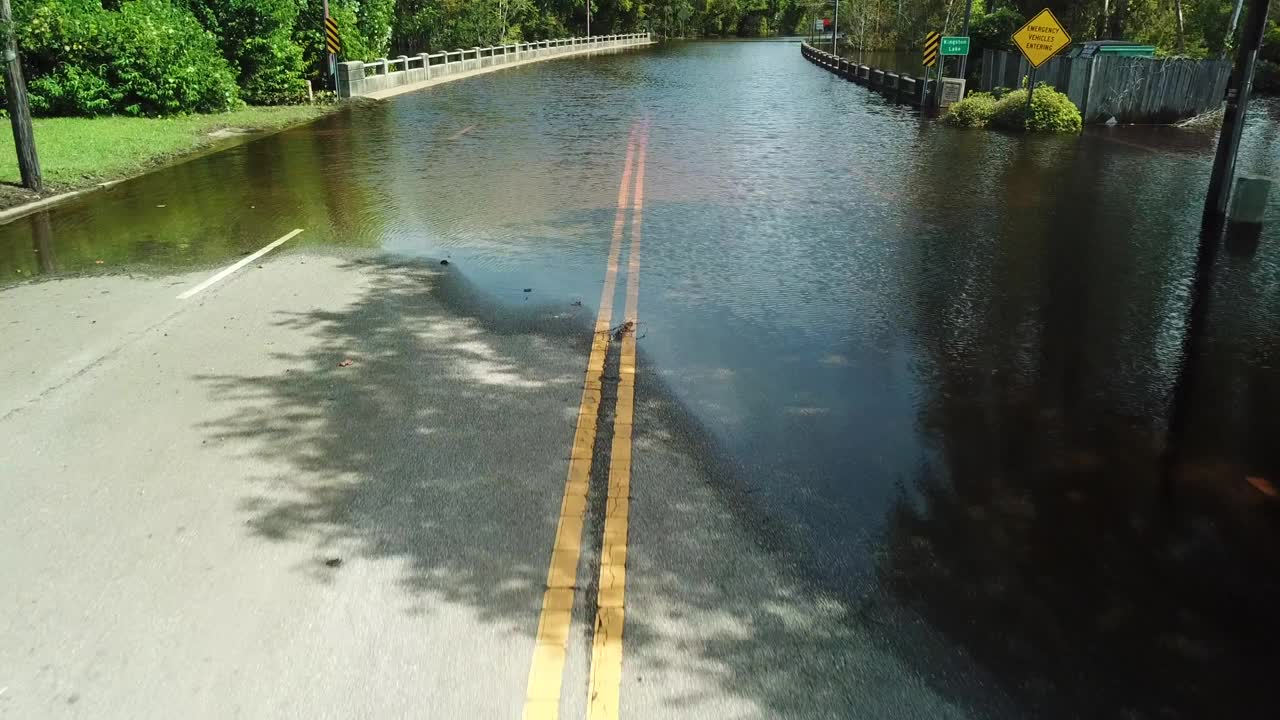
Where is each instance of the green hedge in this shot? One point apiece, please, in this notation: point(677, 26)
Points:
point(255, 37)
point(148, 58)
point(974, 111)
point(1051, 111)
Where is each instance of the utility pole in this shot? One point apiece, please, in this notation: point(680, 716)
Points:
point(24, 138)
point(1224, 162)
point(330, 65)
point(964, 31)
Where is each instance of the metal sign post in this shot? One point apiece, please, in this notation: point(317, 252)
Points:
point(333, 68)
point(964, 30)
point(929, 58)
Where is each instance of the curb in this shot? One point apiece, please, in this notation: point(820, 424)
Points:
point(8, 216)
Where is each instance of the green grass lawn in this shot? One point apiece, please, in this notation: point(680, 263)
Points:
point(80, 151)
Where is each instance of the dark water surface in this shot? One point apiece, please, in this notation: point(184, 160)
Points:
point(940, 360)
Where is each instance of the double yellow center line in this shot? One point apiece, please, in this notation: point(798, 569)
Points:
point(546, 672)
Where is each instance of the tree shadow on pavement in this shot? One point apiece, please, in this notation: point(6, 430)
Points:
point(443, 447)
point(443, 444)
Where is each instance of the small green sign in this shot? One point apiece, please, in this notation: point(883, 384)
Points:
point(955, 46)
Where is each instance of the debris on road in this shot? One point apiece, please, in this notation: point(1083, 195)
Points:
point(333, 562)
point(623, 329)
point(348, 362)
point(444, 262)
point(528, 289)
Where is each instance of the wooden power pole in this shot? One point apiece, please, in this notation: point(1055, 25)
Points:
point(15, 87)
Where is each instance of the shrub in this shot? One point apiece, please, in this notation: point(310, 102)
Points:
point(1051, 111)
point(972, 112)
point(164, 63)
point(149, 58)
point(70, 90)
point(255, 38)
point(271, 71)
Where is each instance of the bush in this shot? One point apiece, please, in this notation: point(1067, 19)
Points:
point(1051, 111)
point(974, 111)
point(255, 38)
point(149, 58)
point(70, 90)
point(271, 71)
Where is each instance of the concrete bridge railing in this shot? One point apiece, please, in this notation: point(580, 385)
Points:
point(357, 79)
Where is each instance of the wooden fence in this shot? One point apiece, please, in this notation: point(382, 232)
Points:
point(1130, 89)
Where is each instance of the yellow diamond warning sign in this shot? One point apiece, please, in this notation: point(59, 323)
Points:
point(1041, 38)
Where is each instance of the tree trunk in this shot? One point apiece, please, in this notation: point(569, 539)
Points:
point(1116, 31)
point(1229, 40)
point(15, 86)
point(1182, 29)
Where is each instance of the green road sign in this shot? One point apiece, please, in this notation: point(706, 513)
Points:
point(955, 46)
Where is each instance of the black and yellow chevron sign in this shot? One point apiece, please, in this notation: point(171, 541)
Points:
point(931, 43)
point(331, 38)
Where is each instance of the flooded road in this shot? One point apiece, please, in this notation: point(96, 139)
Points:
point(926, 372)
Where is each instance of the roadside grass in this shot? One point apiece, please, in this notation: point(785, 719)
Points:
point(75, 152)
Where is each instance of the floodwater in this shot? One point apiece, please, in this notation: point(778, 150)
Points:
point(940, 361)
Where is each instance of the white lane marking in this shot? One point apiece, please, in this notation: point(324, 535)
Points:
point(245, 261)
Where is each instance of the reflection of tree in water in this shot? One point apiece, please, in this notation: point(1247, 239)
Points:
point(1038, 539)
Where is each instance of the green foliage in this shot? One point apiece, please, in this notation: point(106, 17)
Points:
point(83, 57)
point(255, 37)
point(1051, 111)
point(71, 90)
point(271, 71)
point(308, 35)
point(1267, 77)
point(1202, 32)
point(994, 30)
point(148, 58)
point(974, 111)
point(1271, 42)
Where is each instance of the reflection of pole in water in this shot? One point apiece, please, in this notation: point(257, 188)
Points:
point(1192, 345)
point(42, 242)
